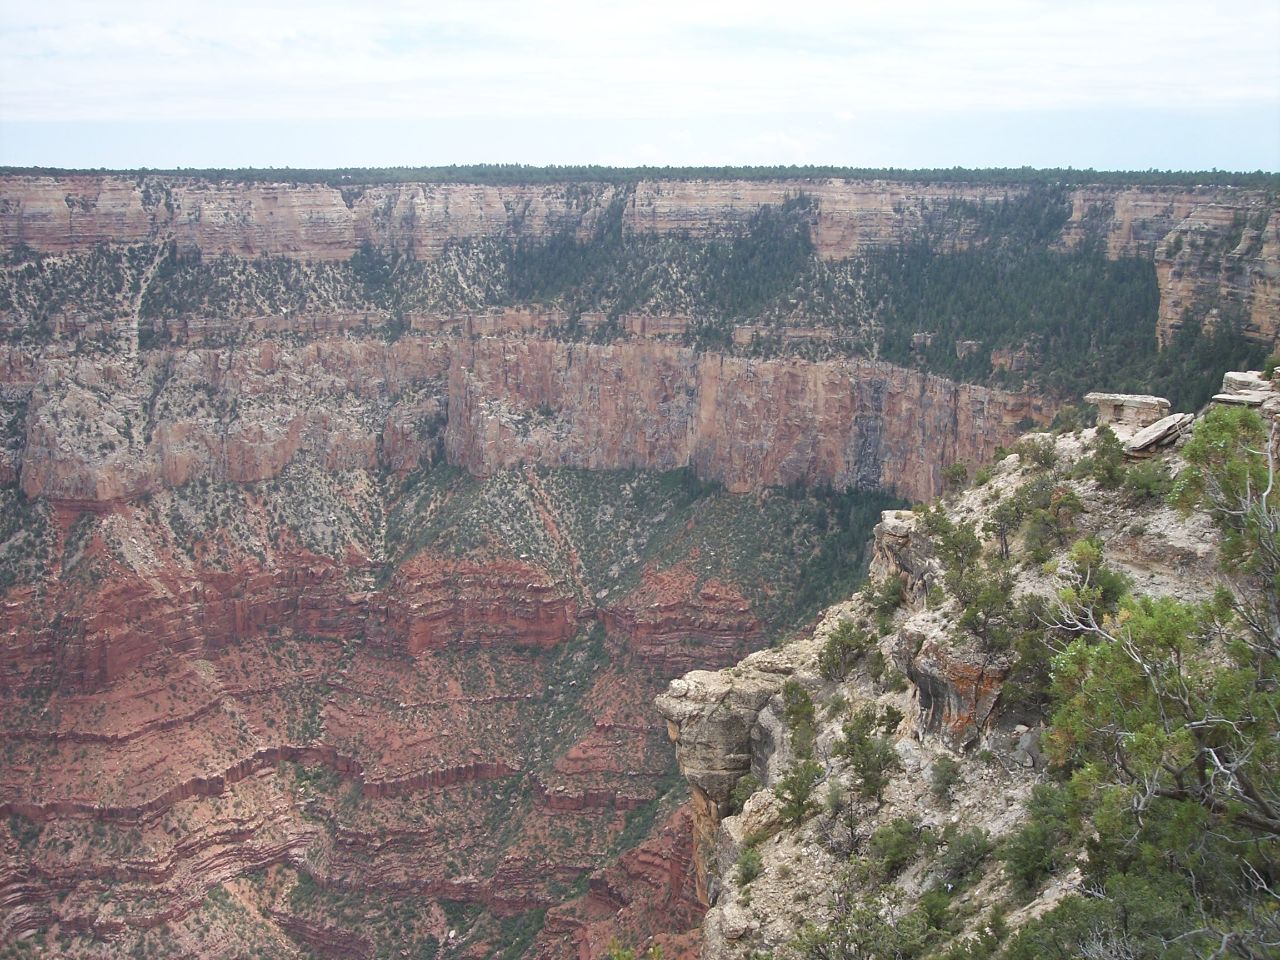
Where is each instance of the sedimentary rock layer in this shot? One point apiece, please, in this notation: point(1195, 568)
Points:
point(1206, 241)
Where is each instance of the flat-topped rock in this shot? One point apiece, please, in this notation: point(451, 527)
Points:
point(1128, 409)
point(1245, 381)
point(1244, 398)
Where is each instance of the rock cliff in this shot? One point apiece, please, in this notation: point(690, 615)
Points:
point(1209, 244)
point(943, 695)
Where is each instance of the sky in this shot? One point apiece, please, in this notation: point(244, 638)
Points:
point(1110, 84)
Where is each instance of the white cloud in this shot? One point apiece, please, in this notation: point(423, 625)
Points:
point(236, 59)
point(696, 63)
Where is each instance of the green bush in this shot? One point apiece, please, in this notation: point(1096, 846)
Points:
point(749, 866)
point(943, 776)
point(795, 791)
point(1105, 462)
point(1034, 852)
point(894, 845)
point(872, 758)
point(1148, 481)
point(966, 851)
point(843, 646)
point(956, 475)
point(742, 792)
point(799, 715)
point(1040, 452)
point(885, 596)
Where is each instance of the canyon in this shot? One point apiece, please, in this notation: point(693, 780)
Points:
point(332, 619)
point(1207, 243)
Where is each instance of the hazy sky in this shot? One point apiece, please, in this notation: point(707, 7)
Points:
point(1112, 83)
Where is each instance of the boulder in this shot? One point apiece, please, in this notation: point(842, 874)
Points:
point(1160, 433)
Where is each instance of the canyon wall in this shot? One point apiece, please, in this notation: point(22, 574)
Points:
point(1218, 243)
point(101, 429)
point(745, 423)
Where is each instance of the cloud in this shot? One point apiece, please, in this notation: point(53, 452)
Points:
point(663, 62)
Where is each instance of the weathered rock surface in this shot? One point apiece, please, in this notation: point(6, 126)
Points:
point(1187, 231)
point(746, 423)
point(1164, 431)
point(952, 699)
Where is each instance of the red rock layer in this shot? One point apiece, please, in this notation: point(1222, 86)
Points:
point(747, 423)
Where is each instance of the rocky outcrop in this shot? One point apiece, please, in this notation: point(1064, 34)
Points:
point(711, 719)
point(1163, 432)
point(903, 551)
point(1130, 411)
point(938, 689)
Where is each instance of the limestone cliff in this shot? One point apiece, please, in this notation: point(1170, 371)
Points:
point(1207, 242)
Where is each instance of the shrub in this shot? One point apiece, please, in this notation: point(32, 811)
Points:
point(894, 845)
point(795, 791)
point(872, 759)
point(844, 645)
point(1105, 462)
point(741, 793)
point(1041, 452)
point(1035, 851)
point(965, 853)
point(885, 596)
point(943, 776)
point(799, 715)
point(955, 475)
point(749, 866)
point(1148, 481)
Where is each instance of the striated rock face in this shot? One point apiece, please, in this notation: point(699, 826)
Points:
point(1209, 243)
point(746, 423)
point(98, 432)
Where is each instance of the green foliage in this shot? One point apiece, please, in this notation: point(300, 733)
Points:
point(616, 951)
point(871, 757)
point(895, 845)
point(944, 774)
point(956, 544)
point(1147, 481)
point(1105, 461)
point(795, 790)
point(1036, 850)
point(749, 866)
point(1168, 718)
point(1269, 366)
point(884, 596)
point(799, 715)
point(742, 792)
point(956, 475)
point(1039, 452)
point(964, 853)
point(841, 650)
point(1005, 521)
